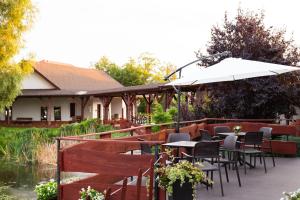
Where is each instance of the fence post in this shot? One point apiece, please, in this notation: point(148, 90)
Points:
point(155, 174)
point(58, 168)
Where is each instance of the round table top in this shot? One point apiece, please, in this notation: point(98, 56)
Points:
point(233, 133)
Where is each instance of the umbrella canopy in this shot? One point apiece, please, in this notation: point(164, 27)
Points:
point(231, 69)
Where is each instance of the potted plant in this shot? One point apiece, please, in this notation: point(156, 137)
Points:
point(237, 129)
point(291, 195)
point(180, 179)
point(91, 194)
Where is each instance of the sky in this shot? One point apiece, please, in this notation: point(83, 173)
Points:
point(80, 32)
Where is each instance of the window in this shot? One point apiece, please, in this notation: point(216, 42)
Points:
point(72, 109)
point(57, 113)
point(44, 113)
point(99, 111)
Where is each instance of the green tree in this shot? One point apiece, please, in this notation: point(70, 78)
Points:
point(246, 36)
point(144, 70)
point(16, 17)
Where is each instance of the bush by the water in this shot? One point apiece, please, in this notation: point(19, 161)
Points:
point(23, 144)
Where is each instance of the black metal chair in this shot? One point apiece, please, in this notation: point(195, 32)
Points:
point(221, 129)
point(204, 150)
point(252, 146)
point(267, 138)
point(205, 136)
point(145, 148)
point(230, 147)
point(176, 137)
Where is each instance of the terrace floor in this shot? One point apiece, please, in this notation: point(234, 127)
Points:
point(256, 185)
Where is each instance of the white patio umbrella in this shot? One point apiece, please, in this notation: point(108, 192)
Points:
point(231, 69)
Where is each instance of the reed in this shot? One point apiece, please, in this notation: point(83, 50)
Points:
point(29, 145)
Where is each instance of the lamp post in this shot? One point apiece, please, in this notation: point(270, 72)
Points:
point(178, 89)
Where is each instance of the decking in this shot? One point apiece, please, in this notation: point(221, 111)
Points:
point(256, 185)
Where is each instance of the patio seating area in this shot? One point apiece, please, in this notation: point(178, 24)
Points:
point(133, 156)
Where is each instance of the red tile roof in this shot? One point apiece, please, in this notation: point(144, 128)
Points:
point(70, 77)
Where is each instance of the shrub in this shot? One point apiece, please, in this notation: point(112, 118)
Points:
point(47, 191)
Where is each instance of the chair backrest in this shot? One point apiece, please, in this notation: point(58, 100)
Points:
point(230, 142)
point(145, 148)
point(267, 132)
point(175, 137)
point(204, 135)
point(207, 149)
point(222, 129)
point(253, 138)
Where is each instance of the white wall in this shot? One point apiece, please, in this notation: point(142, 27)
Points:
point(2, 115)
point(36, 81)
point(27, 107)
point(31, 107)
point(97, 101)
point(116, 107)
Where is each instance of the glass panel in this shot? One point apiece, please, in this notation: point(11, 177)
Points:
point(57, 113)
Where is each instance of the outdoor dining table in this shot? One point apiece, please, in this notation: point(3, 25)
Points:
point(188, 145)
point(185, 144)
point(240, 134)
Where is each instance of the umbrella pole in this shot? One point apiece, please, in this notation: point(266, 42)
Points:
point(179, 110)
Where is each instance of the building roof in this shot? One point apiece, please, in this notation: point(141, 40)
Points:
point(70, 77)
point(71, 80)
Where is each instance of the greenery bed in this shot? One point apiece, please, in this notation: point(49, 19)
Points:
point(24, 144)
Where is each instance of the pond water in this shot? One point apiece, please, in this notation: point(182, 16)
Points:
point(23, 178)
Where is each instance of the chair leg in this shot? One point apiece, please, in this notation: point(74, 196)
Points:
point(207, 181)
point(260, 159)
point(238, 174)
point(272, 154)
point(264, 160)
point(221, 182)
point(226, 172)
point(244, 159)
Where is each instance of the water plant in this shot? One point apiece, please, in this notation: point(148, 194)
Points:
point(27, 145)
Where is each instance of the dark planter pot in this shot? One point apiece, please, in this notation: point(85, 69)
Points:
point(184, 192)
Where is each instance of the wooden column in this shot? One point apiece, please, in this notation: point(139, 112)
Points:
point(193, 98)
point(149, 100)
point(168, 99)
point(84, 101)
point(129, 100)
point(105, 102)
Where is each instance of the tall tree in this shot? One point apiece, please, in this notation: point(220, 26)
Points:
point(246, 36)
point(16, 17)
point(145, 69)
